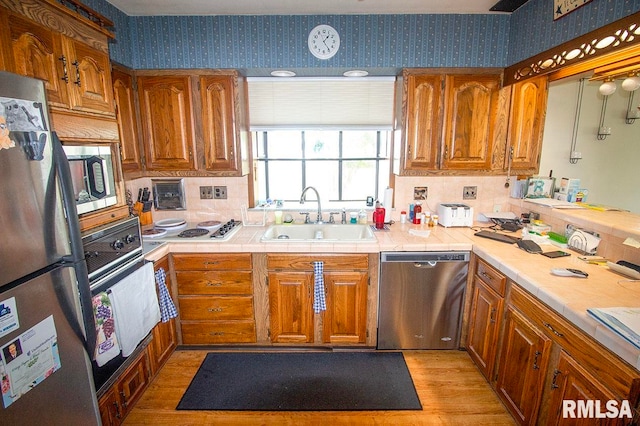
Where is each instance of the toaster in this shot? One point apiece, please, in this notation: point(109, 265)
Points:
point(452, 214)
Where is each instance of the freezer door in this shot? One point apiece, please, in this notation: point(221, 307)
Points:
point(45, 370)
point(34, 231)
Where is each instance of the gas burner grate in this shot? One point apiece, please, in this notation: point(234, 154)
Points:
point(191, 233)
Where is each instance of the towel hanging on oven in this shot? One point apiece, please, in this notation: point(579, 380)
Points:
point(107, 346)
point(135, 307)
point(319, 300)
point(167, 307)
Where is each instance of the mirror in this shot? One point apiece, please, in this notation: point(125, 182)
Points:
point(610, 166)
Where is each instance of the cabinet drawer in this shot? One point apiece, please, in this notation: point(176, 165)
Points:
point(214, 282)
point(305, 262)
point(603, 364)
point(208, 262)
point(491, 277)
point(202, 333)
point(216, 308)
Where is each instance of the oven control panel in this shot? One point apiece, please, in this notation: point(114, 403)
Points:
point(112, 245)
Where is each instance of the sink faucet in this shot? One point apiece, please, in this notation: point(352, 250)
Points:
point(302, 200)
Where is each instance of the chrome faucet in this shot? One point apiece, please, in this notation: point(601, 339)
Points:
point(302, 200)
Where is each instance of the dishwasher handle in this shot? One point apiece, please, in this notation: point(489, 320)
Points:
point(427, 264)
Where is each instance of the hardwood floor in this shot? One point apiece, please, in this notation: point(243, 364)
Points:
point(451, 390)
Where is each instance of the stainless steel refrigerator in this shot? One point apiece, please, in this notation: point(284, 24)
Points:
point(46, 317)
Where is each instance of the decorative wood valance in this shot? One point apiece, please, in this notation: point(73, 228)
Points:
point(619, 40)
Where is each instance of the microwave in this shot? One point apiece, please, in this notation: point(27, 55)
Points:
point(92, 175)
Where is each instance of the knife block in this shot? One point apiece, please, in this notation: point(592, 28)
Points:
point(146, 218)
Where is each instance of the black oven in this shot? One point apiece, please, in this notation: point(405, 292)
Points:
point(112, 252)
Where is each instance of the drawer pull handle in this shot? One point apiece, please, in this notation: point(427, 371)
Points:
point(215, 309)
point(211, 262)
point(553, 330)
point(212, 284)
point(535, 361)
point(217, 333)
point(487, 276)
point(554, 382)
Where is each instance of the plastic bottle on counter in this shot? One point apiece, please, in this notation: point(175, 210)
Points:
point(417, 210)
point(403, 217)
point(362, 217)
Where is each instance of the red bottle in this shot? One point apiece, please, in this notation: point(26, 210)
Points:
point(378, 216)
point(417, 210)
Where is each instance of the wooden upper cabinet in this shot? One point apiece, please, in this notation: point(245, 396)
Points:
point(526, 124)
point(123, 91)
point(36, 52)
point(423, 120)
point(471, 107)
point(76, 75)
point(167, 121)
point(218, 122)
point(90, 75)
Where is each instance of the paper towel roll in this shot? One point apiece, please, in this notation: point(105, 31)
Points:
point(387, 203)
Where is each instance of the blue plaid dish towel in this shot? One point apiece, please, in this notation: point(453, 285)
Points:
point(167, 307)
point(319, 301)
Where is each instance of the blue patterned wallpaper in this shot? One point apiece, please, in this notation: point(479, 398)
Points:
point(367, 41)
point(533, 29)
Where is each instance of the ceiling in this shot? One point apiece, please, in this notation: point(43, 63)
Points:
point(309, 7)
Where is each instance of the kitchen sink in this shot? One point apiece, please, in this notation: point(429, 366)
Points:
point(333, 233)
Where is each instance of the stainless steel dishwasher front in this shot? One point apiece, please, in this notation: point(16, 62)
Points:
point(421, 299)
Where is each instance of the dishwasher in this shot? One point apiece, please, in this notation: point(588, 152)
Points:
point(421, 299)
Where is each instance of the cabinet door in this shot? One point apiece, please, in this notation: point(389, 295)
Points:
point(484, 321)
point(126, 114)
point(572, 382)
point(523, 361)
point(423, 121)
point(110, 409)
point(345, 320)
point(290, 307)
point(165, 338)
point(526, 124)
point(37, 52)
point(133, 382)
point(90, 75)
point(471, 107)
point(167, 122)
point(220, 141)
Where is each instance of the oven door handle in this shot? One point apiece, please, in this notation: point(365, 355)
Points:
point(77, 251)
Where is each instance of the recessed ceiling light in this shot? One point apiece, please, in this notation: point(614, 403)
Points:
point(283, 73)
point(355, 73)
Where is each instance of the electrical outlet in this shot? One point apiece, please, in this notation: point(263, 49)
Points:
point(469, 192)
point(206, 192)
point(220, 192)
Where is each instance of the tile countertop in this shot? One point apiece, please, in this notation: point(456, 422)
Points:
point(570, 297)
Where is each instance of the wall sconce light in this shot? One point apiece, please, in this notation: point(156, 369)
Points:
point(631, 83)
point(607, 88)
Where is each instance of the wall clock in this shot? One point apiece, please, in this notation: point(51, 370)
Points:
point(324, 41)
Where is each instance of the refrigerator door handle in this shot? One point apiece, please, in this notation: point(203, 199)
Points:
point(75, 237)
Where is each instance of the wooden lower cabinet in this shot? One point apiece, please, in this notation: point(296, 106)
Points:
point(487, 303)
point(165, 338)
point(118, 401)
point(523, 362)
point(215, 293)
point(291, 295)
point(572, 382)
point(543, 359)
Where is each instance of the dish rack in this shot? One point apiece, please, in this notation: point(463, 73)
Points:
point(583, 242)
